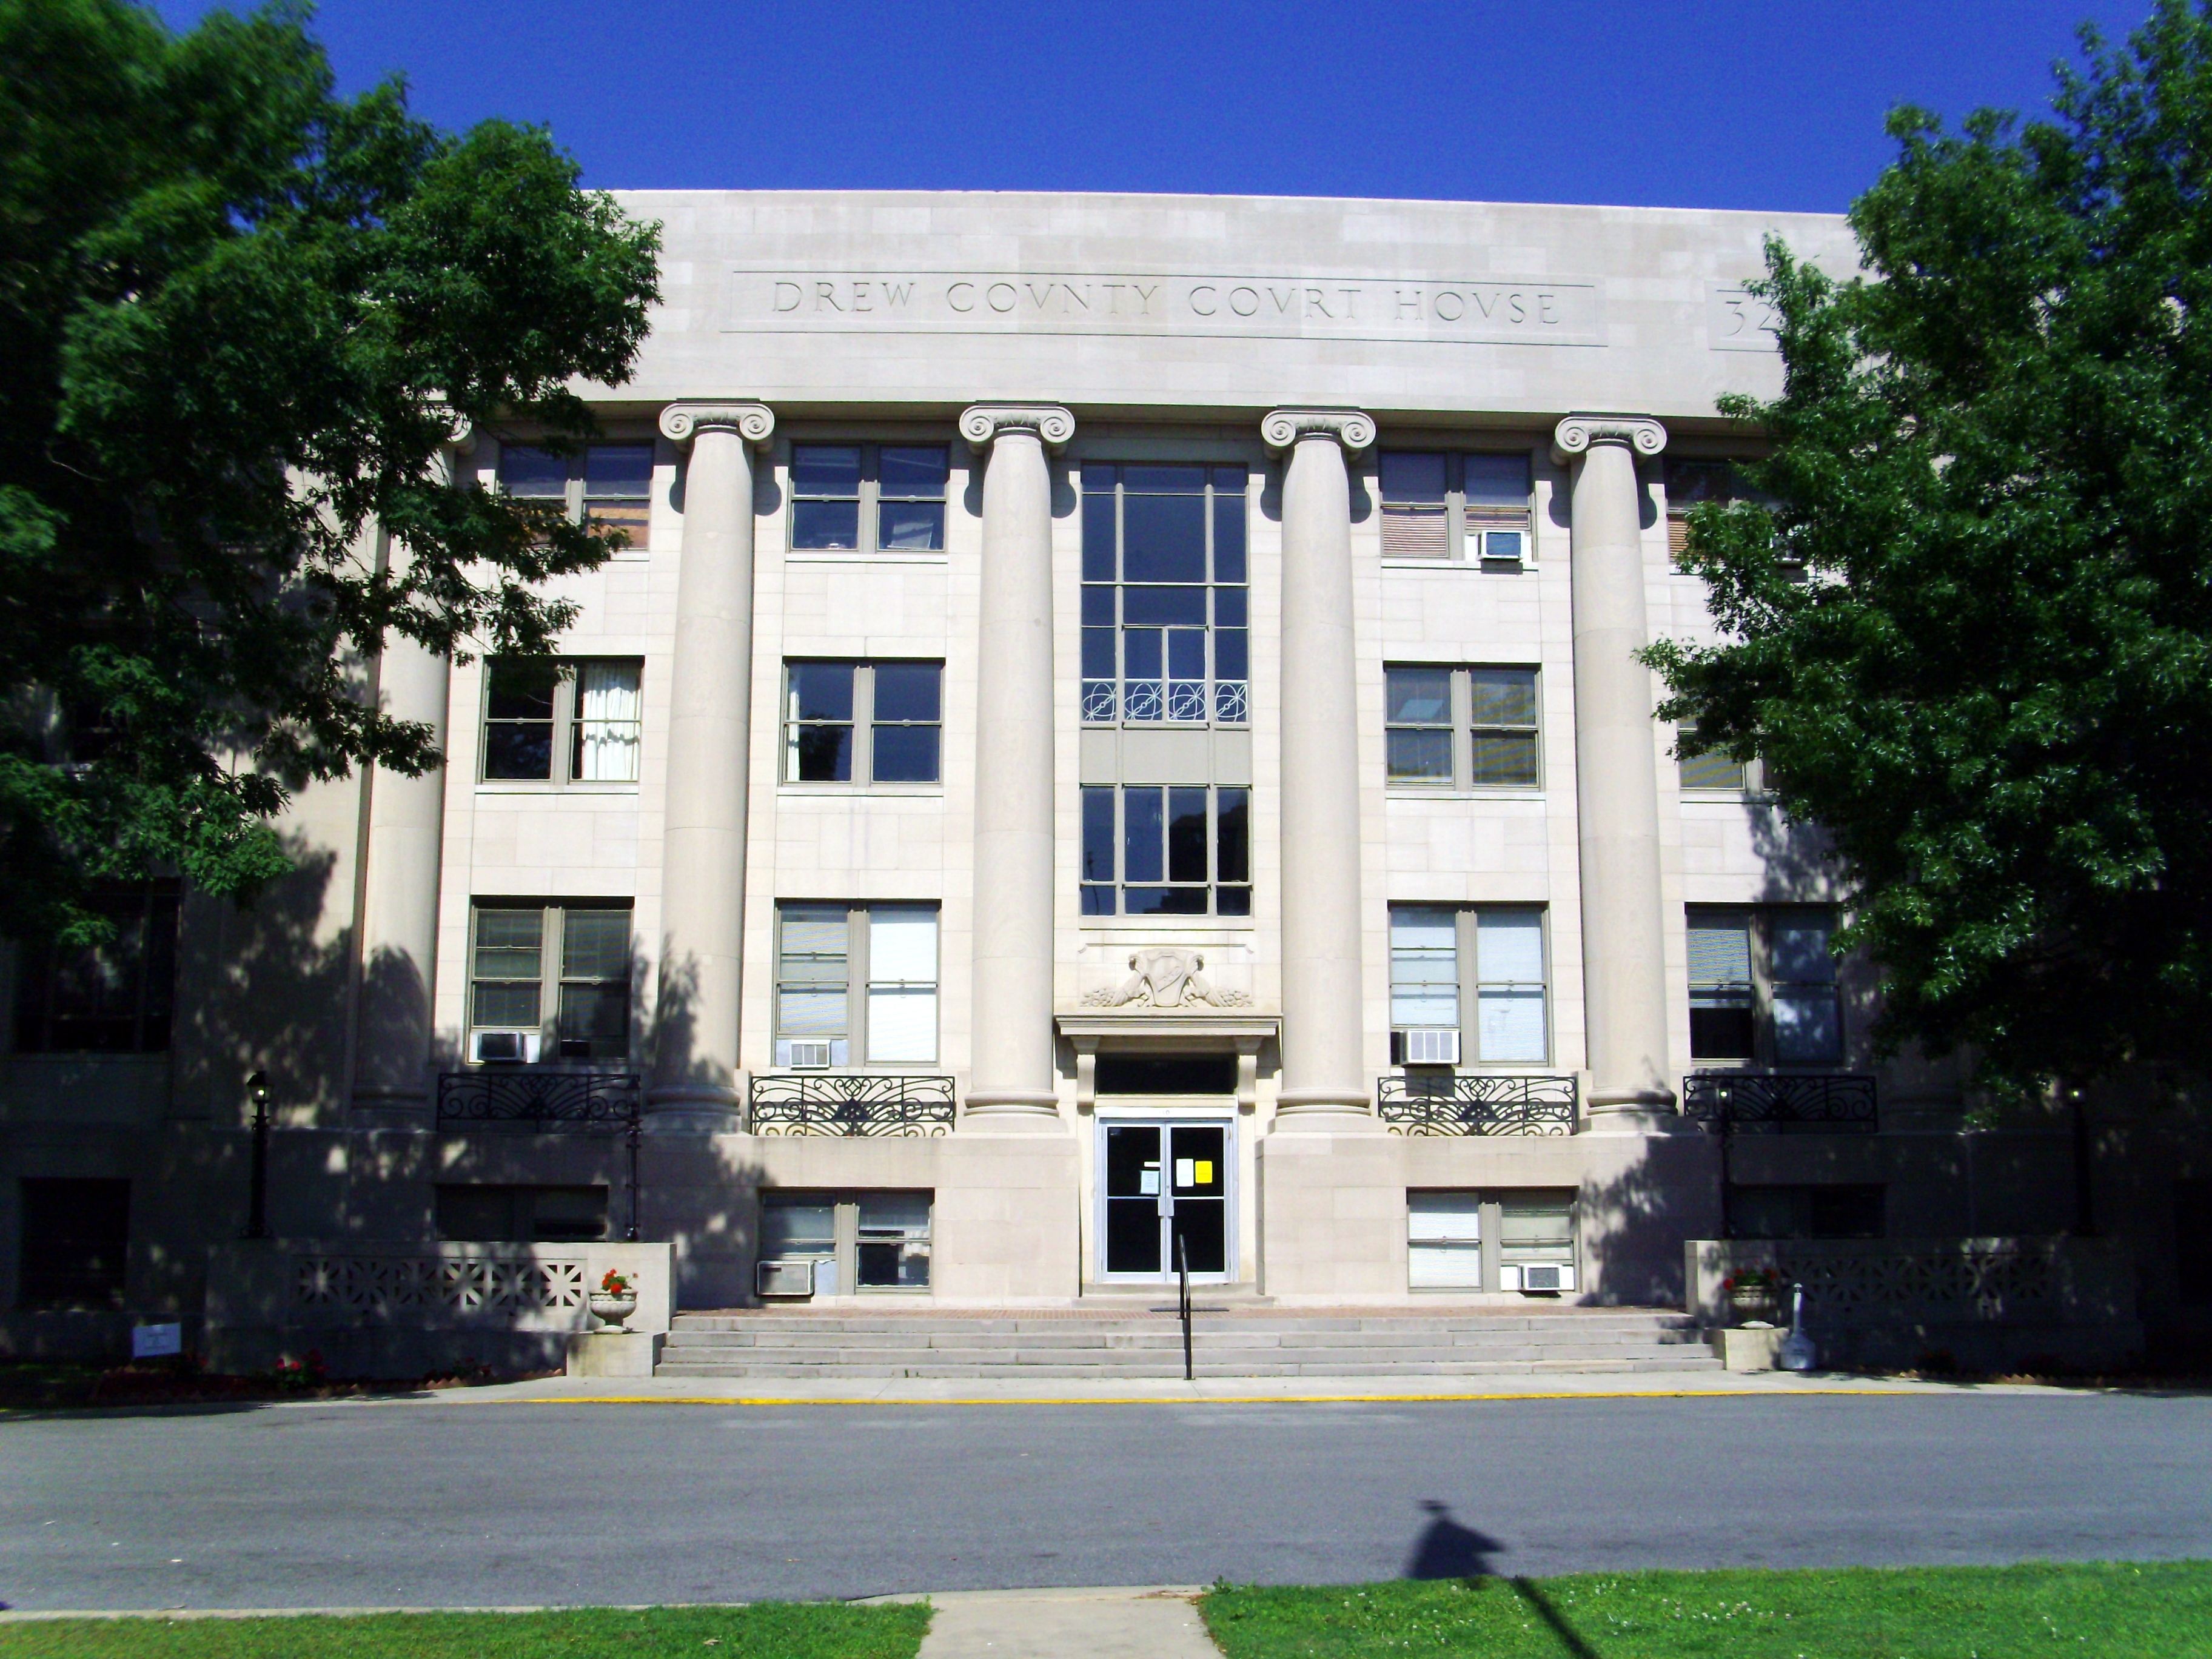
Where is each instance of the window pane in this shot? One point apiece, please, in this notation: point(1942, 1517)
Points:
point(902, 945)
point(508, 944)
point(822, 691)
point(1187, 657)
point(506, 1005)
point(1418, 696)
point(1498, 482)
point(1098, 836)
point(1160, 606)
point(1504, 761)
point(825, 470)
point(1165, 480)
point(595, 944)
point(1231, 657)
point(905, 754)
point(518, 750)
point(618, 472)
point(1510, 1025)
point(1504, 696)
point(811, 1013)
point(1228, 530)
point(1424, 967)
point(1415, 478)
point(1163, 539)
point(1142, 812)
point(907, 691)
point(1414, 756)
point(1187, 835)
point(594, 1022)
point(904, 470)
point(824, 754)
point(1415, 532)
point(608, 710)
point(1233, 837)
point(533, 472)
point(825, 523)
point(1098, 653)
point(790, 1230)
point(1098, 901)
point(1232, 901)
point(1230, 607)
point(1711, 770)
point(1098, 527)
point(1800, 953)
point(1509, 946)
point(1807, 1029)
point(1142, 655)
point(902, 1023)
point(910, 527)
point(1720, 954)
point(520, 690)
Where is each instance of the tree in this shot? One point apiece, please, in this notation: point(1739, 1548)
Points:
point(239, 319)
point(1970, 626)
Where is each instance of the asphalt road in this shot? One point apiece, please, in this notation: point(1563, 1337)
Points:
point(528, 1504)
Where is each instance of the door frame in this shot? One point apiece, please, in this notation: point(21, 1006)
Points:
point(1129, 1111)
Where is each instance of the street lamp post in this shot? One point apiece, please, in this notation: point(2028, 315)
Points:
point(257, 1214)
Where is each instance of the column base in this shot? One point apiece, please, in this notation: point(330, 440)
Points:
point(693, 1108)
point(1325, 1111)
point(1013, 1111)
point(1632, 1112)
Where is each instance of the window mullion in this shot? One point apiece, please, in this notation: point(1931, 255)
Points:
point(1463, 719)
point(871, 499)
point(549, 979)
point(856, 986)
point(1762, 990)
point(1455, 508)
point(863, 725)
point(1466, 945)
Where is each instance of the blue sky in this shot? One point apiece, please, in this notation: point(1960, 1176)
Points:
point(1768, 107)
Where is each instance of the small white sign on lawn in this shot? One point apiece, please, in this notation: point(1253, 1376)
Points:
point(156, 1341)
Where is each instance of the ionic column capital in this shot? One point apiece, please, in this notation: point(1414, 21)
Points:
point(982, 423)
point(681, 423)
point(1577, 433)
point(1352, 427)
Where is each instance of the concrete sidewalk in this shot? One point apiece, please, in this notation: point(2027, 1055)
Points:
point(1076, 1391)
point(1138, 1623)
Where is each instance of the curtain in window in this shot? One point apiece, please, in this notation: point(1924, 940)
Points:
point(609, 710)
point(901, 984)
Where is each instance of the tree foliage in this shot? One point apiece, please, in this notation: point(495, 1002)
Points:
point(239, 317)
point(1970, 629)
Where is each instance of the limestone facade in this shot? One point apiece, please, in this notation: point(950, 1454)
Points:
point(1282, 351)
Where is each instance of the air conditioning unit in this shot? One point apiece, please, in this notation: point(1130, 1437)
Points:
point(786, 1278)
point(496, 1047)
point(1504, 546)
point(1428, 1046)
point(1536, 1276)
point(810, 1056)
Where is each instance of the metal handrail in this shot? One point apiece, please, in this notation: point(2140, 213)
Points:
point(1182, 1304)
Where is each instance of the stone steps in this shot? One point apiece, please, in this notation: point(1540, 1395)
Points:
point(1243, 1343)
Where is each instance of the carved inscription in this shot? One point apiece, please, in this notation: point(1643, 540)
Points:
point(1537, 311)
point(1737, 319)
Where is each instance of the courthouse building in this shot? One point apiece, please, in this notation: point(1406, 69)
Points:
point(1116, 742)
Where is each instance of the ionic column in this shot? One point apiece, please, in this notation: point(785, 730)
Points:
point(695, 1070)
point(1012, 1065)
point(401, 855)
point(1616, 781)
point(1324, 1083)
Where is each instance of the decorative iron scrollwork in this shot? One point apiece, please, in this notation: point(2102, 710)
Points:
point(1464, 1103)
point(541, 1102)
point(850, 1103)
point(1757, 1102)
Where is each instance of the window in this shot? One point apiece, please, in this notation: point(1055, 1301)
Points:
point(1808, 1212)
point(1763, 987)
point(1491, 1241)
point(856, 981)
point(1469, 507)
point(112, 998)
point(1165, 608)
point(609, 486)
point(75, 1243)
point(868, 498)
point(1178, 851)
point(1691, 484)
point(589, 713)
point(862, 723)
point(1501, 1005)
point(522, 1215)
point(549, 982)
point(863, 1241)
point(1711, 771)
point(1461, 728)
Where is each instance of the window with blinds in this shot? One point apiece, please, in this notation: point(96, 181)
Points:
point(1461, 728)
point(556, 974)
point(856, 985)
point(1763, 986)
point(1691, 484)
point(1471, 508)
point(1499, 1011)
point(1709, 771)
point(608, 486)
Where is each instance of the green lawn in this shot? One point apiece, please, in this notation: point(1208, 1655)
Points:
point(2112, 1612)
point(766, 1630)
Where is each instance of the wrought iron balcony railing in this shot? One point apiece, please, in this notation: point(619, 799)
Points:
point(1475, 1103)
point(541, 1102)
point(1795, 1103)
point(850, 1103)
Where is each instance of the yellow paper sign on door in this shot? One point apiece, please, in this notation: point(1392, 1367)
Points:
point(1204, 1173)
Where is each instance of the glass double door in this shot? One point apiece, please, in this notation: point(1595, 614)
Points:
point(1166, 1185)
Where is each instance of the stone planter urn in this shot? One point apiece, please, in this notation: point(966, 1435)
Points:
point(1749, 1303)
point(612, 1310)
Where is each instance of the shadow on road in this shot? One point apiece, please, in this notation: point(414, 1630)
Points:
point(1449, 1549)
